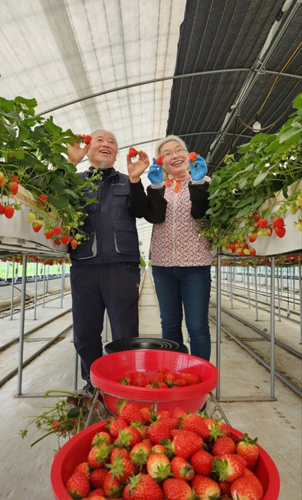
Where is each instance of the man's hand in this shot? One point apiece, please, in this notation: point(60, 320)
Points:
point(156, 173)
point(76, 153)
point(198, 169)
point(136, 168)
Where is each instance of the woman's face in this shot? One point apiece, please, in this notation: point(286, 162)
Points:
point(175, 158)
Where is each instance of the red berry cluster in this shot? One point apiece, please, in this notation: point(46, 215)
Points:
point(166, 456)
point(162, 378)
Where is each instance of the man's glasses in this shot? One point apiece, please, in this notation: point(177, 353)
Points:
point(169, 154)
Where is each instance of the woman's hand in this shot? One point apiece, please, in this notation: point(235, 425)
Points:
point(198, 169)
point(136, 168)
point(156, 174)
point(76, 153)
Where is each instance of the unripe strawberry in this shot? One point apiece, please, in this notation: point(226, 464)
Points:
point(299, 225)
point(31, 217)
point(292, 208)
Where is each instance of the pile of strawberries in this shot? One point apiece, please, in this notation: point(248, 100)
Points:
point(162, 378)
point(144, 455)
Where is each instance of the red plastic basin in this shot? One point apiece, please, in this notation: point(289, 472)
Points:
point(76, 450)
point(106, 372)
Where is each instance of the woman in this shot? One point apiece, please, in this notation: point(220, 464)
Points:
point(181, 259)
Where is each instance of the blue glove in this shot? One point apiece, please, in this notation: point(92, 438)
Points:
point(198, 169)
point(156, 173)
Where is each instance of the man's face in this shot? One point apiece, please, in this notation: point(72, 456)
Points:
point(103, 149)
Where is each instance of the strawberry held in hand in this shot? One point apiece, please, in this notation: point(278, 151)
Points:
point(132, 152)
point(159, 160)
point(193, 156)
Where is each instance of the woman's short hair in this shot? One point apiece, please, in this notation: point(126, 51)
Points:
point(169, 138)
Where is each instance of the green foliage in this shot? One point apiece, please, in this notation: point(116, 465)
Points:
point(267, 165)
point(34, 150)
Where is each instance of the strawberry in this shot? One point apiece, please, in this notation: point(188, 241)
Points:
point(97, 477)
point(248, 449)
point(57, 230)
point(128, 437)
point(122, 452)
point(111, 486)
point(146, 415)
point(191, 378)
point(13, 187)
point(229, 467)
point(280, 231)
point(132, 152)
point(159, 160)
point(158, 448)
point(73, 244)
point(1, 208)
point(8, 211)
point(57, 242)
point(1, 178)
point(182, 469)
point(78, 486)
point(177, 489)
point(97, 494)
point(98, 455)
point(252, 237)
point(257, 217)
point(253, 251)
point(262, 223)
point(201, 461)
point(56, 425)
point(247, 488)
point(65, 240)
point(143, 487)
point(15, 179)
point(42, 199)
point(101, 437)
point(158, 466)
point(185, 443)
point(278, 222)
point(49, 234)
point(193, 156)
point(122, 468)
point(195, 423)
point(84, 468)
point(140, 452)
point(205, 487)
point(129, 412)
point(223, 445)
point(87, 139)
point(37, 225)
point(115, 424)
point(158, 432)
point(31, 217)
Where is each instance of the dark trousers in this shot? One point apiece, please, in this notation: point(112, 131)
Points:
point(114, 287)
point(187, 287)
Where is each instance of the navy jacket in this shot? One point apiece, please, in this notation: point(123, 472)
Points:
point(110, 224)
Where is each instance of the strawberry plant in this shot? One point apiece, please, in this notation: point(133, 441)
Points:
point(33, 154)
point(266, 166)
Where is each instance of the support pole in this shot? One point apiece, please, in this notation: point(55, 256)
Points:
point(218, 319)
point(36, 292)
point(22, 319)
point(272, 331)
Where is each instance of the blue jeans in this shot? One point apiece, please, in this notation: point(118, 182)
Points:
point(189, 287)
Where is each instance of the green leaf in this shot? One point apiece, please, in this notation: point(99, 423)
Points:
point(70, 194)
point(55, 130)
point(19, 154)
point(58, 185)
point(243, 182)
point(59, 201)
point(10, 130)
point(246, 201)
point(73, 413)
point(260, 178)
point(290, 133)
point(23, 133)
point(29, 103)
point(243, 212)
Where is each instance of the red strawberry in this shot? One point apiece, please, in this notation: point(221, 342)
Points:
point(122, 468)
point(197, 424)
point(112, 486)
point(42, 199)
point(87, 139)
point(97, 477)
point(13, 187)
point(74, 244)
point(252, 237)
point(191, 378)
point(182, 469)
point(158, 466)
point(101, 437)
point(146, 415)
point(205, 487)
point(1, 208)
point(128, 437)
point(257, 217)
point(57, 242)
point(129, 412)
point(143, 487)
point(132, 152)
point(177, 489)
point(252, 251)
point(65, 240)
point(278, 222)
point(280, 231)
point(49, 234)
point(98, 455)
point(262, 223)
point(201, 461)
point(223, 445)
point(8, 211)
point(185, 443)
point(37, 225)
point(115, 424)
point(158, 448)
point(78, 486)
point(1, 178)
point(157, 432)
point(140, 452)
point(192, 156)
point(122, 452)
point(97, 494)
point(247, 488)
point(84, 468)
point(159, 160)
point(229, 467)
point(248, 449)
point(57, 230)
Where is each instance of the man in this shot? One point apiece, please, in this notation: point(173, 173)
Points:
point(105, 270)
